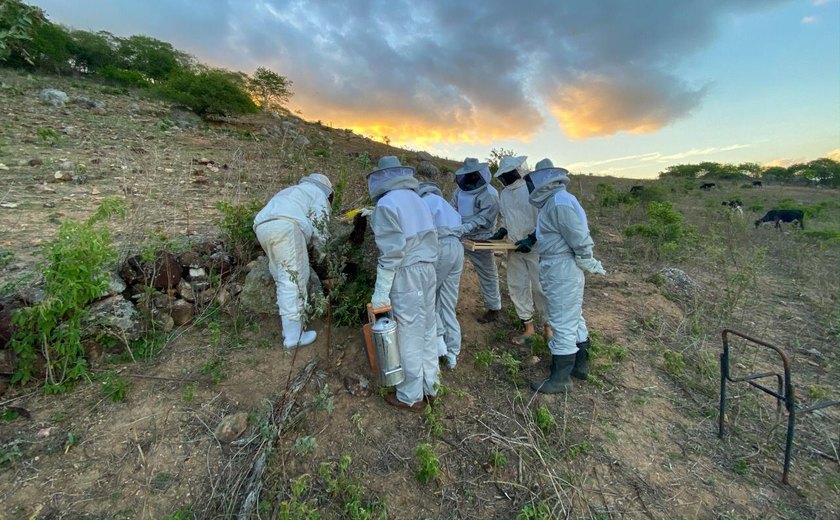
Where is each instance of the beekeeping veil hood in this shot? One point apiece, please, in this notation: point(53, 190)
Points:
point(320, 180)
point(546, 173)
point(390, 175)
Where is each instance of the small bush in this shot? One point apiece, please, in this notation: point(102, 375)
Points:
point(237, 224)
point(207, 92)
point(665, 228)
point(674, 363)
point(114, 387)
point(610, 198)
point(498, 459)
point(428, 465)
point(534, 512)
point(544, 419)
point(123, 77)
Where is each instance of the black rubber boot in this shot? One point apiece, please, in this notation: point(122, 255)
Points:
point(581, 369)
point(558, 380)
point(489, 316)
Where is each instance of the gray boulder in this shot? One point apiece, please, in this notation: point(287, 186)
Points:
point(424, 156)
point(53, 97)
point(301, 141)
point(114, 316)
point(678, 284)
point(290, 127)
point(259, 293)
point(427, 169)
point(90, 103)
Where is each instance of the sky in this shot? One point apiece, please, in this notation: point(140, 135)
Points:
point(609, 87)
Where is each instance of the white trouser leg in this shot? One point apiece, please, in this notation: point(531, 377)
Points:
point(488, 277)
point(448, 269)
point(413, 305)
point(562, 281)
point(288, 263)
point(532, 262)
point(519, 285)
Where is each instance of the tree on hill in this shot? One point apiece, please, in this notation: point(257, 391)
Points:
point(208, 92)
point(269, 88)
point(18, 23)
point(155, 59)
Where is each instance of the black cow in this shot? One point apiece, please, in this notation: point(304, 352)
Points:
point(634, 190)
point(707, 186)
point(783, 215)
point(757, 184)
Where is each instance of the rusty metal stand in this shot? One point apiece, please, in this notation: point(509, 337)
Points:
point(782, 394)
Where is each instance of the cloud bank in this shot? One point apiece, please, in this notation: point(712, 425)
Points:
point(453, 70)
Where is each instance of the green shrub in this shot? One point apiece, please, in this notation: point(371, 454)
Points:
point(123, 77)
point(428, 465)
point(237, 225)
point(544, 419)
point(75, 273)
point(207, 92)
point(674, 362)
point(114, 387)
point(610, 198)
point(534, 512)
point(665, 228)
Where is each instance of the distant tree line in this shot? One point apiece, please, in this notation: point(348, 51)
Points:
point(822, 171)
point(28, 40)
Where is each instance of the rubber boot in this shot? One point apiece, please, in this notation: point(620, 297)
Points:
point(558, 380)
point(489, 316)
point(581, 369)
point(292, 336)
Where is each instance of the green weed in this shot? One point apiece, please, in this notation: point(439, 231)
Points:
point(674, 363)
point(544, 419)
point(49, 136)
point(498, 459)
point(324, 401)
point(304, 445)
point(484, 358)
point(114, 387)
point(428, 465)
point(534, 512)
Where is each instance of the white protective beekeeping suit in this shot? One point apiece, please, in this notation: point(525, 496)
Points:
point(405, 276)
point(293, 219)
point(479, 209)
point(518, 219)
point(448, 270)
point(565, 248)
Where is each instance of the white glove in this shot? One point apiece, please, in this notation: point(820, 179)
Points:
point(366, 212)
point(590, 265)
point(382, 290)
point(461, 230)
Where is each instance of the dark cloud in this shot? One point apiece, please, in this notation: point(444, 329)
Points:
point(471, 70)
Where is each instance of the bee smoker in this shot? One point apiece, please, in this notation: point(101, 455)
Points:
point(383, 333)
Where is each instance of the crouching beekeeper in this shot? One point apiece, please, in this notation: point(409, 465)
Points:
point(565, 247)
point(405, 234)
point(294, 219)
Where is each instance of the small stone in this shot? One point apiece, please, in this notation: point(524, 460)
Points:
point(200, 180)
point(49, 204)
point(197, 274)
point(43, 433)
point(232, 427)
point(182, 312)
point(167, 323)
point(53, 97)
point(186, 291)
point(222, 297)
point(66, 165)
point(357, 385)
point(35, 162)
point(3, 167)
point(534, 360)
point(8, 205)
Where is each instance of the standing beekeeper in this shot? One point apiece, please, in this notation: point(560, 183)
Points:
point(294, 219)
point(478, 204)
point(405, 234)
point(450, 264)
point(518, 221)
point(565, 248)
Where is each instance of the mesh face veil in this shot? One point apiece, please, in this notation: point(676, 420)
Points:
point(470, 181)
point(509, 177)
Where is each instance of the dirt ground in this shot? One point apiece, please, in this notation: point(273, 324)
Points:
point(637, 441)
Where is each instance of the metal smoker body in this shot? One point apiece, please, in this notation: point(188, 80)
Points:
point(384, 333)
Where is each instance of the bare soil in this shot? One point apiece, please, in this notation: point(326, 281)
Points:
point(637, 441)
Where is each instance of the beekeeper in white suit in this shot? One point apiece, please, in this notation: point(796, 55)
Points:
point(565, 248)
point(405, 234)
point(478, 204)
point(518, 222)
point(294, 219)
point(450, 264)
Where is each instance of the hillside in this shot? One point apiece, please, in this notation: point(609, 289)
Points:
point(638, 441)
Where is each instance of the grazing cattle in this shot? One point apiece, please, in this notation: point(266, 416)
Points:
point(636, 189)
point(735, 206)
point(783, 215)
point(757, 184)
point(707, 186)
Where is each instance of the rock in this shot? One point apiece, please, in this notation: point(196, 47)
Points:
point(3, 167)
point(678, 284)
point(98, 111)
point(116, 285)
point(301, 141)
point(31, 295)
point(424, 156)
point(197, 274)
point(186, 291)
point(163, 300)
point(53, 97)
point(357, 385)
point(234, 289)
point(223, 297)
point(114, 316)
point(134, 108)
point(427, 169)
point(164, 273)
point(35, 162)
point(184, 117)
point(167, 323)
point(62, 177)
point(182, 312)
point(66, 165)
point(222, 263)
point(200, 179)
point(89, 103)
point(232, 427)
point(258, 293)
point(8, 205)
point(288, 126)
